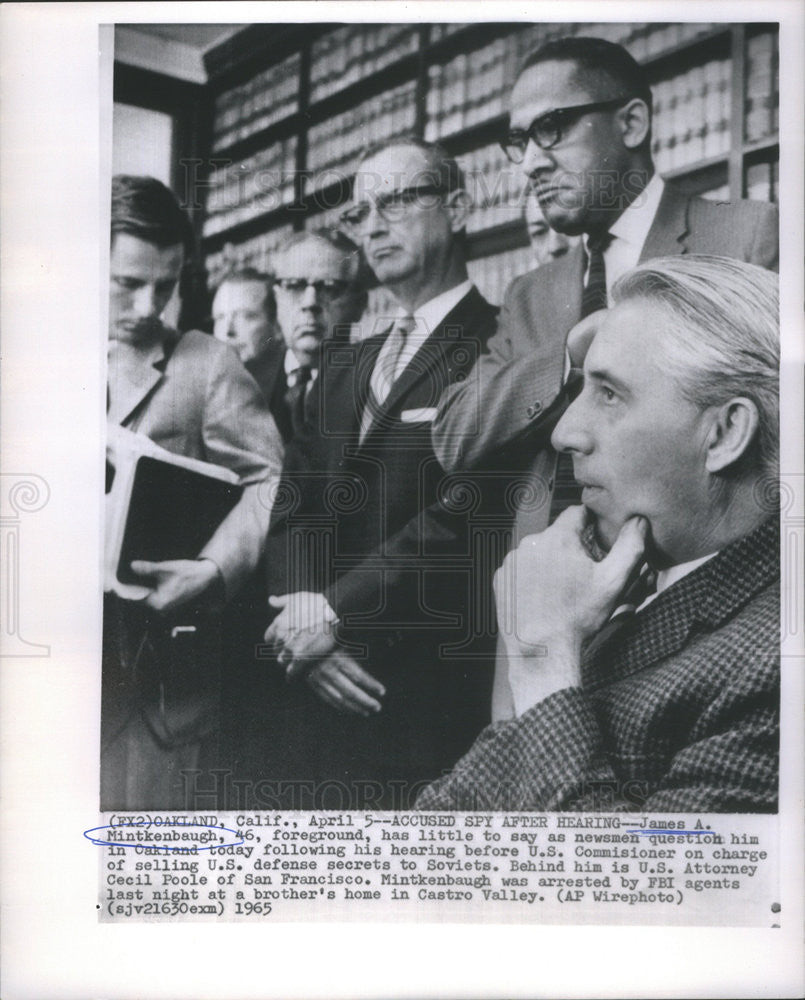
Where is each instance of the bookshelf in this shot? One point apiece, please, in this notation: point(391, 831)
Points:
point(292, 106)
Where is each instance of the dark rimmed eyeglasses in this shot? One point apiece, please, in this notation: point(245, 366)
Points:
point(325, 288)
point(391, 206)
point(546, 130)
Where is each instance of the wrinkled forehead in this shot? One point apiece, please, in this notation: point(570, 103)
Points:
point(544, 87)
point(313, 259)
point(632, 343)
point(392, 169)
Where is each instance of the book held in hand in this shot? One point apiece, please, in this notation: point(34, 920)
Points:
point(159, 506)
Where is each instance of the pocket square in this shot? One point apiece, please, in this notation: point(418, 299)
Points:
point(422, 415)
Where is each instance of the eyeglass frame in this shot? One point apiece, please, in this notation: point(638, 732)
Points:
point(565, 116)
point(381, 203)
point(319, 285)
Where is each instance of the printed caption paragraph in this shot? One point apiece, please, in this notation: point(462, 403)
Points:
point(547, 867)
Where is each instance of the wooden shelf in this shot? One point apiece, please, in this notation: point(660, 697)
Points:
point(472, 36)
point(761, 150)
point(401, 71)
point(713, 44)
point(507, 236)
point(474, 136)
point(257, 141)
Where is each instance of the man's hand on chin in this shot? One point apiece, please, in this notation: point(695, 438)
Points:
point(551, 597)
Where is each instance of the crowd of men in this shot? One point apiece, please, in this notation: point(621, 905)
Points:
point(521, 558)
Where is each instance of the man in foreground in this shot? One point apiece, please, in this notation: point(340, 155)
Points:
point(189, 394)
point(622, 699)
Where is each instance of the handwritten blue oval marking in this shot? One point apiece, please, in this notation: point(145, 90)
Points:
point(184, 846)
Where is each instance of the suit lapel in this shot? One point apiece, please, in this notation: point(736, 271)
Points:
point(669, 229)
point(132, 379)
point(431, 356)
point(702, 600)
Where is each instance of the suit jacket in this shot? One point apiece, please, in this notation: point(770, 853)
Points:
point(198, 400)
point(374, 525)
point(677, 712)
point(268, 371)
point(502, 416)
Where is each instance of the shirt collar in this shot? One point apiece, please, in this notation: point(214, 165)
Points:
point(668, 577)
point(633, 224)
point(292, 365)
point(431, 314)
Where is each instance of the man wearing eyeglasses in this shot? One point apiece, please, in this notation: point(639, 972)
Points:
point(580, 132)
point(377, 621)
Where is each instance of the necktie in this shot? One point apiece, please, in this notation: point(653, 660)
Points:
point(566, 491)
point(644, 586)
point(298, 382)
point(385, 371)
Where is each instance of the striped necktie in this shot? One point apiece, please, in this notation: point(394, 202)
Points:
point(385, 371)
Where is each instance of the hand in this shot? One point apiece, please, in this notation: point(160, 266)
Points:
point(551, 596)
point(581, 336)
point(176, 582)
point(340, 682)
point(303, 632)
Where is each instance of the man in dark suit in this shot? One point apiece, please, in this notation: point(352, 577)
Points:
point(277, 324)
point(375, 610)
point(580, 131)
point(664, 696)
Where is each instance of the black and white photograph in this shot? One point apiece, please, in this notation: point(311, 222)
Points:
point(403, 499)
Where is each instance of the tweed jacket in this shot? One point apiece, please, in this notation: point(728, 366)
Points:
point(677, 712)
point(197, 400)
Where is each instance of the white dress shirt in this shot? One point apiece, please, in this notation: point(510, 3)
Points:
point(667, 577)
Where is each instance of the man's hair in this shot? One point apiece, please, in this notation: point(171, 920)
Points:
point(145, 208)
point(442, 170)
point(249, 276)
point(340, 242)
point(602, 67)
point(726, 339)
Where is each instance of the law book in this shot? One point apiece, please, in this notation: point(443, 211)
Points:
point(159, 506)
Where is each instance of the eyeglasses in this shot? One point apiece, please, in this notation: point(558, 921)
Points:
point(325, 288)
point(546, 130)
point(392, 206)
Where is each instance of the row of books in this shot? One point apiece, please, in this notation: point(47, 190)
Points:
point(243, 190)
point(495, 186)
point(255, 252)
point(762, 86)
point(335, 145)
point(268, 97)
point(355, 51)
point(692, 115)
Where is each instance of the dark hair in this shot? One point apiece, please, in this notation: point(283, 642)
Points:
point(600, 64)
point(145, 208)
point(442, 170)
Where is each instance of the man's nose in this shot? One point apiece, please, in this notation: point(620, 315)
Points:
point(374, 222)
point(572, 433)
point(147, 302)
point(535, 160)
point(310, 297)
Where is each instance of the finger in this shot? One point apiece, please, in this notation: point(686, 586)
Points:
point(625, 555)
point(351, 693)
point(360, 676)
point(144, 568)
point(572, 519)
point(319, 686)
point(279, 601)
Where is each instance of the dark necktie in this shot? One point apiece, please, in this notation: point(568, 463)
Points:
point(295, 397)
point(644, 586)
point(566, 490)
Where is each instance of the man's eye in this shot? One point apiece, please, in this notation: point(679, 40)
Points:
point(128, 283)
point(607, 394)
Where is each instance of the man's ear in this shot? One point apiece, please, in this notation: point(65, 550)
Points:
point(635, 121)
point(459, 206)
point(733, 429)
